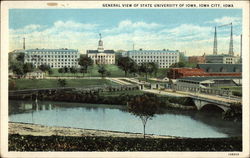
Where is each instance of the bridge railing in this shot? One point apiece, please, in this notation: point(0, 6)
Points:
point(211, 100)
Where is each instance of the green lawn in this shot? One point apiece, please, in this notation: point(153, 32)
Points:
point(53, 83)
point(114, 70)
point(162, 72)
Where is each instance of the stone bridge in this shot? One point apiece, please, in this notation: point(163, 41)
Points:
point(222, 103)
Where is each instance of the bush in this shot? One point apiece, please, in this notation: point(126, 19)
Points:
point(237, 93)
point(94, 143)
point(12, 85)
point(62, 82)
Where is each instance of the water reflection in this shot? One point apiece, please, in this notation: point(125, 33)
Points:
point(116, 118)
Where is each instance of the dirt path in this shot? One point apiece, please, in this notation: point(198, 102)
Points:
point(40, 130)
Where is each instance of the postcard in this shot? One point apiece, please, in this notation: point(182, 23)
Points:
point(125, 79)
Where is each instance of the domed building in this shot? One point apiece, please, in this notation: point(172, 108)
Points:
point(101, 56)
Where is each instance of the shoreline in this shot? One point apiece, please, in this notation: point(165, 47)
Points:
point(41, 130)
point(30, 137)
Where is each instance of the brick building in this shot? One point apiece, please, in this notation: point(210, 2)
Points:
point(197, 59)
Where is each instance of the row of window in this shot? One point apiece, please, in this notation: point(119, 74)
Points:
point(150, 57)
point(53, 56)
point(101, 57)
point(38, 52)
point(63, 63)
point(48, 60)
point(161, 64)
point(165, 61)
point(152, 53)
point(59, 66)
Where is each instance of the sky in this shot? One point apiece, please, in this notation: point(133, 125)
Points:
point(187, 30)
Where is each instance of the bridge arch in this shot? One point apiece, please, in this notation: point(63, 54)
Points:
point(212, 107)
point(201, 103)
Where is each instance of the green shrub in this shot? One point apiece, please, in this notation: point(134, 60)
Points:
point(237, 93)
point(12, 85)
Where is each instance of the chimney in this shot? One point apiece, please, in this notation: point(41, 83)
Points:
point(23, 43)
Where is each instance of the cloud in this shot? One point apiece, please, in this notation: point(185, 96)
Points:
point(194, 39)
point(128, 26)
point(226, 20)
point(27, 29)
point(71, 25)
point(188, 32)
point(61, 34)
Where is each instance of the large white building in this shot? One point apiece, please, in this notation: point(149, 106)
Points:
point(101, 56)
point(55, 58)
point(164, 58)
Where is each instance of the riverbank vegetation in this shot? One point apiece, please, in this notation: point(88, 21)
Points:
point(86, 143)
point(234, 113)
point(113, 98)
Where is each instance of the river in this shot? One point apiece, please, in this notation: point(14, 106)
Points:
point(191, 124)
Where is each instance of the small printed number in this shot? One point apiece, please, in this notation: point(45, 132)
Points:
point(233, 154)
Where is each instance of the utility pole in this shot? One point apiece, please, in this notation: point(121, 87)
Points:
point(215, 42)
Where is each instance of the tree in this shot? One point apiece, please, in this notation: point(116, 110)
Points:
point(17, 68)
point(126, 64)
point(85, 62)
point(73, 70)
point(144, 107)
point(183, 64)
point(44, 67)
point(28, 67)
point(178, 65)
point(82, 70)
point(133, 68)
point(12, 85)
point(20, 57)
point(62, 82)
point(148, 68)
point(50, 72)
point(61, 70)
point(102, 70)
point(66, 69)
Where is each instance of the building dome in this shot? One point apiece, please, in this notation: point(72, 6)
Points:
point(100, 44)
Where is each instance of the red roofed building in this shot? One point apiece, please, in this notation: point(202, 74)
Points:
point(175, 73)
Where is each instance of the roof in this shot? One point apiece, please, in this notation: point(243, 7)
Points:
point(96, 51)
point(216, 67)
point(52, 50)
point(200, 79)
point(219, 55)
point(154, 51)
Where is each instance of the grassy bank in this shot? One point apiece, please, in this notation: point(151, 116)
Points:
point(52, 83)
point(85, 143)
point(114, 70)
point(119, 93)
